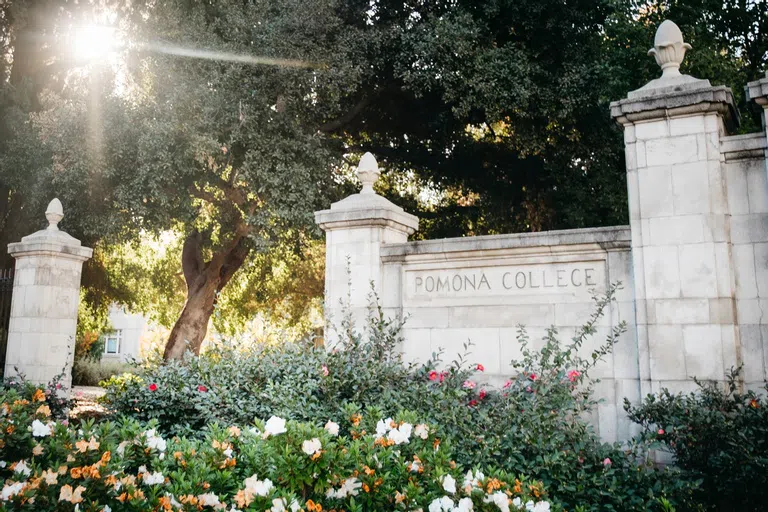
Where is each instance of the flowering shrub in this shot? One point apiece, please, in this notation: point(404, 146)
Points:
point(719, 436)
point(534, 424)
point(275, 466)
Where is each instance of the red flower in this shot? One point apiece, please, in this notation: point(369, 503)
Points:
point(533, 376)
point(480, 368)
point(443, 375)
point(433, 375)
point(661, 431)
point(482, 394)
point(202, 389)
point(573, 375)
point(472, 403)
point(153, 387)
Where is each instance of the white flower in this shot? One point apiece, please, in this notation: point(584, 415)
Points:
point(274, 426)
point(441, 504)
point(500, 500)
point(22, 468)
point(517, 502)
point(228, 452)
point(155, 478)
point(415, 466)
point(278, 505)
point(421, 431)
point(11, 490)
point(332, 428)
point(106, 508)
point(40, 429)
point(465, 505)
point(3, 464)
point(295, 506)
point(473, 480)
point(121, 447)
point(311, 446)
point(529, 505)
point(449, 484)
point(402, 434)
point(258, 487)
point(541, 506)
point(349, 487)
point(383, 426)
point(209, 500)
point(154, 441)
point(174, 502)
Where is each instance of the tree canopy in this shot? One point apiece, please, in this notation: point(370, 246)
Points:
point(193, 155)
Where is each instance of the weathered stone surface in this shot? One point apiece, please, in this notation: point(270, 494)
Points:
point(46, 293)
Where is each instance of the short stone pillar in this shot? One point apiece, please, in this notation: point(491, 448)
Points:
point(355, 229)
point(46, 294)
point(679, 219)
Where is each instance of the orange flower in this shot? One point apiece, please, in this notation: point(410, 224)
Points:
point(356, 419)
point(76, 473)
point(37, 450)
point(44, 410)
point(105, 457)
point(38, 396)
point(314, 507)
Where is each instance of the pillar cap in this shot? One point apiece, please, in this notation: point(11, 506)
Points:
point(51, 240)
point(674, 94)
point(757, 91)
point(366, 208)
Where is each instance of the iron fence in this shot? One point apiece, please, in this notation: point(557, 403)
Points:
point(6, 290)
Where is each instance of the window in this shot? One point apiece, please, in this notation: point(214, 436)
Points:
point(112, 342)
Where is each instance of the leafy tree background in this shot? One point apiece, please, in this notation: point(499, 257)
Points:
point(488, 117)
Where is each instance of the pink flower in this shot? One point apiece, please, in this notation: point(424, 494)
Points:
point(480, 368)
point(443, 375)
point(507, 384)
point(483, 393)
point(472, 403)
point(325, 370)
point(433, 375)
point(661, 431)
point(202, 389)
point(581, 460)
point(153, 387)
point(468, 384)
point(607, 462)
point(528, 389)
point(573, 375)
point(65, 423)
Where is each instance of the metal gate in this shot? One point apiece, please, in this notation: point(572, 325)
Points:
point(6, 290)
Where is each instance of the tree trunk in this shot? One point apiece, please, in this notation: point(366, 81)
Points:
point(204, 281)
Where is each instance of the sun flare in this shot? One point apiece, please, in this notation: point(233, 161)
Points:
point(92, 42)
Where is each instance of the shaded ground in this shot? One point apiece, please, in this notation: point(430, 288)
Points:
point(86, 405)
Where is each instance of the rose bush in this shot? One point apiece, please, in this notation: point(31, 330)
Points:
point(533, 424)
point(718, 435)
point(275, 466)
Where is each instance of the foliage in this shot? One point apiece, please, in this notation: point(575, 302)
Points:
point(277, 466)
point(89, 372)
point(535, 424)
point(53, 395)
point(489, 117)
point(720, 436)
point(92, 323)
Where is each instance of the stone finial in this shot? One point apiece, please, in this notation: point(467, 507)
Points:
point(669, 49)
point(54, 213)
point(368, 172)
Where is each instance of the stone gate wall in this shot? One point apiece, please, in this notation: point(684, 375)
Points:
point(693, 260)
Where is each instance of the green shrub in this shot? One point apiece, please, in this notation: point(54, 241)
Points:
point(720, 436)
point(384, 465)
point(534, 425)
point(87, 371)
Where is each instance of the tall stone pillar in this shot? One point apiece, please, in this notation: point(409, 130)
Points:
point(355, 229)
point(46, 293)
point(679, 219)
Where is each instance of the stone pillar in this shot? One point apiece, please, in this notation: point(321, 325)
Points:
point(679, 219)
point(46, 293)
point(355, 229)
